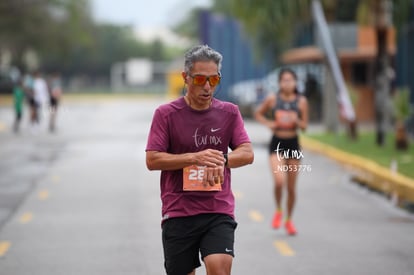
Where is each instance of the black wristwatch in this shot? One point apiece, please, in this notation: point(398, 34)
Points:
point(226, 158)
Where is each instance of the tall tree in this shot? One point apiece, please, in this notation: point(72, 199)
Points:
point(157, 52)
point(382, 10)
point(47, 27)
point(110, 44)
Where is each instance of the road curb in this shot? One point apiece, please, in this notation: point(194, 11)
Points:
point(366, 171)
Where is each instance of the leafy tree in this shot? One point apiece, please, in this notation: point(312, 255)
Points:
point(48, 27)
point(110, 44)
point(157, 52)
point(64, 37)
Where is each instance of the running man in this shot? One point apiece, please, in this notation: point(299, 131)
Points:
point(289, 113)
point(189, 141)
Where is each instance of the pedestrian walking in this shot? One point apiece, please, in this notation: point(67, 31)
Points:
point(289, 113)
point(40, 93)
point(18, 98)
point(189, 142)
point(29, 93)
point(55, 95)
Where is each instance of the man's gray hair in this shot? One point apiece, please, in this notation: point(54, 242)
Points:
point(201, 53)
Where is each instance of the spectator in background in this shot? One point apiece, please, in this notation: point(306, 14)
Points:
point(18, 97)
point(40, 94)
point(28, 90)
point(55, 94)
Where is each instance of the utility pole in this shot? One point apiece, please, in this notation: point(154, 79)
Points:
point(383, 20)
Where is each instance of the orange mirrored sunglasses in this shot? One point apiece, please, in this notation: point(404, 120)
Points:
point(200, 80)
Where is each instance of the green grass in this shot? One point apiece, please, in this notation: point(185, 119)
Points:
point(366, 147)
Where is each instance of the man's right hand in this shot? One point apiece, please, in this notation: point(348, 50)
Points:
point(210, 158)
point(213, 160)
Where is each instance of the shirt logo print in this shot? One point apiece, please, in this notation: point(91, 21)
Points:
point(214, 130)
point(201, 140)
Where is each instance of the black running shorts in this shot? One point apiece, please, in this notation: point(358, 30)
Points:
point(184, 238)
point(284, 144)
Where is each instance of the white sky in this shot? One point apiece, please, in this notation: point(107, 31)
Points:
point(144, 13)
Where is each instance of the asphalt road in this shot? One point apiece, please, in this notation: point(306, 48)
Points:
point(81, 201)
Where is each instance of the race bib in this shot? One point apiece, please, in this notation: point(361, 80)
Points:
point(286, 119)
point(193, 180)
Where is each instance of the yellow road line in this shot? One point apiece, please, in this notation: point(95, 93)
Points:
point(284, 249)
point(43, 195)
point(26, 217)
point(4, 247)
point(255, 216)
